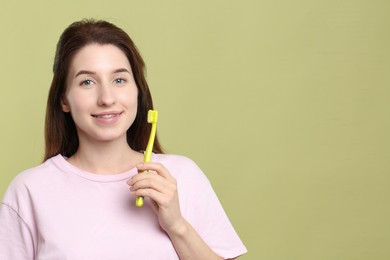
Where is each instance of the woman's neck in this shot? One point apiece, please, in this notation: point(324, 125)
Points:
point(105, 158)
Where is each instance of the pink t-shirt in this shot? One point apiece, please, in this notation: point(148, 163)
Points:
point(57, 211)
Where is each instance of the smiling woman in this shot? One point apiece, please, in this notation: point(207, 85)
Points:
point(63, 139)
point(101, 96)
point(79, 204)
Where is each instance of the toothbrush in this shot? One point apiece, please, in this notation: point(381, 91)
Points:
point(152, 119)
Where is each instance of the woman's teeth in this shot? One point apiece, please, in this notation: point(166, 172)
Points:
point(107, 116)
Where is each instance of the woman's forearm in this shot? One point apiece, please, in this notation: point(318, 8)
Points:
point(189, 245)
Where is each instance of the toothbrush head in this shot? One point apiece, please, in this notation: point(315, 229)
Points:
point(152, 116)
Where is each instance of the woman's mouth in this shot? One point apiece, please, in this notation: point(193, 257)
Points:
point(106, 116)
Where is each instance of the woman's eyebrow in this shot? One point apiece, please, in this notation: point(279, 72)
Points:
point(122, 70)
point(84, 72)
point(88, 72)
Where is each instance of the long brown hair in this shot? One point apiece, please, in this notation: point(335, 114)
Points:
point(60, 131)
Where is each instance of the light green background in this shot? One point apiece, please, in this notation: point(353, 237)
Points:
point(283, 104)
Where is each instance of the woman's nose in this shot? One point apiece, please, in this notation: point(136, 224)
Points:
point(106, 95)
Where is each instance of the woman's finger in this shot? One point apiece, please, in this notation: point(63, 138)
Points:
point(149, 180)
point(157, 167)
point(163, 200)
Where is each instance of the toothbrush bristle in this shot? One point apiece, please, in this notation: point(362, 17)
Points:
point(152, 116)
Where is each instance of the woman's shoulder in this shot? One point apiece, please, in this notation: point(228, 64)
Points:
point(181, 166)
point(162, 157)
point(34, 173)
point(175, 161)
point(28, 178)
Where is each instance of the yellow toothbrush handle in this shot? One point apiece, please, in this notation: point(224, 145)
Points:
point(139, 201)
point(152, 118)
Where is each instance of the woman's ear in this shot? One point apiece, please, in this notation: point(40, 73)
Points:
point(64, 105)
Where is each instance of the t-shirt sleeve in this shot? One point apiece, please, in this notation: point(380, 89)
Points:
point(204, 211)
point(15, 237)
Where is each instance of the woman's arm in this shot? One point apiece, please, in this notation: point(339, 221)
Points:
point(159, 185)
point(15, 237)
point(189, 245)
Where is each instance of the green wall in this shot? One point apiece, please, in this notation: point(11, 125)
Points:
point(284, 105)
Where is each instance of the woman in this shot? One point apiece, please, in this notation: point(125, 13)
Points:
point(77, 204)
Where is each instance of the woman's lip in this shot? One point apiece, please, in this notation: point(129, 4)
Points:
point(107, 113)
point(109, 118)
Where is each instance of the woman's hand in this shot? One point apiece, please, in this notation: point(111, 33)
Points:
point(159, 185)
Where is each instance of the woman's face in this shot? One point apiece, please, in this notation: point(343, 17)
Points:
point(101, 93)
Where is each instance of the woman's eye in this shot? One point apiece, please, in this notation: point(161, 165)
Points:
point(87, 82)
point(119, 81)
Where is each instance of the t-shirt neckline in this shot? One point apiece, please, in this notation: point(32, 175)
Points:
point(62, 163)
